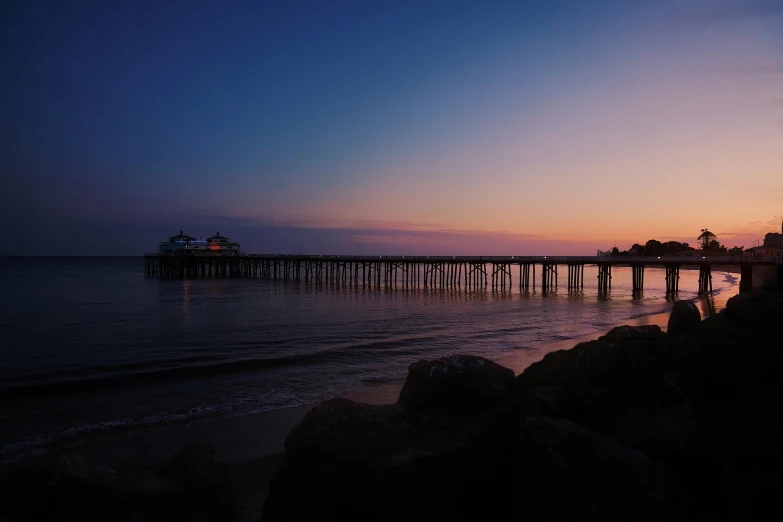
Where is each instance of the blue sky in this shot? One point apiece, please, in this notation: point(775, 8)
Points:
point(284, 122)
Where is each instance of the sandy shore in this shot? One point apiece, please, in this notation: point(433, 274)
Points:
point(252, 444)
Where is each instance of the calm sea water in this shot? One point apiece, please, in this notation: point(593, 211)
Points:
point(90, 346)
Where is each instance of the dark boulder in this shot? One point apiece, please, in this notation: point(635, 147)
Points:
point(462, 384)
point(553, 401)
point(602, 380)
point(649, 332)
point(748, 430)
point(592, 364)
point(351, 461)
point(189, 487)
point(685, 316)
point(756, 310)
point(198, 483)
point(569, 472)
point(666, 435)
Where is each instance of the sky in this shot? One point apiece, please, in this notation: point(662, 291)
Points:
point(544, 127)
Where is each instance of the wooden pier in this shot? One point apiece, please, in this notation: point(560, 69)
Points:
point(437, 271)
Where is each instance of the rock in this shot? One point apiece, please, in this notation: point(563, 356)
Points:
point(350, 461)
point(638, 425)
point(685, 316)
point(647, 332)
point(604, 379)
point(189, 487)
point(756, 310)
point(549, 400)
point(569, 472)
point(592, 364)
point(67, 491)
point(200, 487)
point(458, 384)
point(671, 434)
point(748, 430)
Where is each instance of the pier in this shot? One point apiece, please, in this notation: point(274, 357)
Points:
point(452, 271)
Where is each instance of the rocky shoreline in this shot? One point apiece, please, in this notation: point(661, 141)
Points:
point(636, 425)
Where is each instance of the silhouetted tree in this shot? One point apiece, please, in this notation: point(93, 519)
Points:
point(737, 250)
point(706, 237)
point(672, 247)
point(714, 246)
point(653, 248)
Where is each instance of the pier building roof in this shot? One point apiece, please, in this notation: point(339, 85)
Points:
point(181, 237)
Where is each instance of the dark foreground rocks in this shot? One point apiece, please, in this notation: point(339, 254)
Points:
point(458, 384)
point(189, 487)
point(685, 316)
point(637, 425)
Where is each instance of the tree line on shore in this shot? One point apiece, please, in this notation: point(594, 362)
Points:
point(708, 242)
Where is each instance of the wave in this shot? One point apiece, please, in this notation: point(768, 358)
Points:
point(125, 376)
point(73, 436)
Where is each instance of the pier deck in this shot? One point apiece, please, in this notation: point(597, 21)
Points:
point(446, 271)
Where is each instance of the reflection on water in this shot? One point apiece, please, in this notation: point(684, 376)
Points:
point(707, 305)
point(186, 300)
point(604, 296)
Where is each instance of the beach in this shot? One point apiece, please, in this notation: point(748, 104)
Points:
point(306, 345)
point(252, 444)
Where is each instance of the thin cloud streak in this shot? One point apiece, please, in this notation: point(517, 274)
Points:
point(721, 12)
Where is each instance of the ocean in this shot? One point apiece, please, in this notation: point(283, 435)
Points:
point(91, 347)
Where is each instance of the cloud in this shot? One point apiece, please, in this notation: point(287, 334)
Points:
point(752, 231)
point(715, 12)
point(751, 68)
point(88, 236)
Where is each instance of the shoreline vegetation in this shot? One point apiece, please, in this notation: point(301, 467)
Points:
point(708, 246)
point(689, 411)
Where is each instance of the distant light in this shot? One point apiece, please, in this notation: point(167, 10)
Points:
point(703, 257)
point(659, 257)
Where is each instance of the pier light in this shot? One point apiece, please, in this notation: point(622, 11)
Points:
point(659, 257)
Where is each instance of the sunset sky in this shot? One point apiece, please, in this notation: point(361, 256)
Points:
point(395, 127)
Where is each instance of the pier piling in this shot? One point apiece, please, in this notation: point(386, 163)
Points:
point(433, 272)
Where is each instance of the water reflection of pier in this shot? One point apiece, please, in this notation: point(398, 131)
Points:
point(441, 271)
